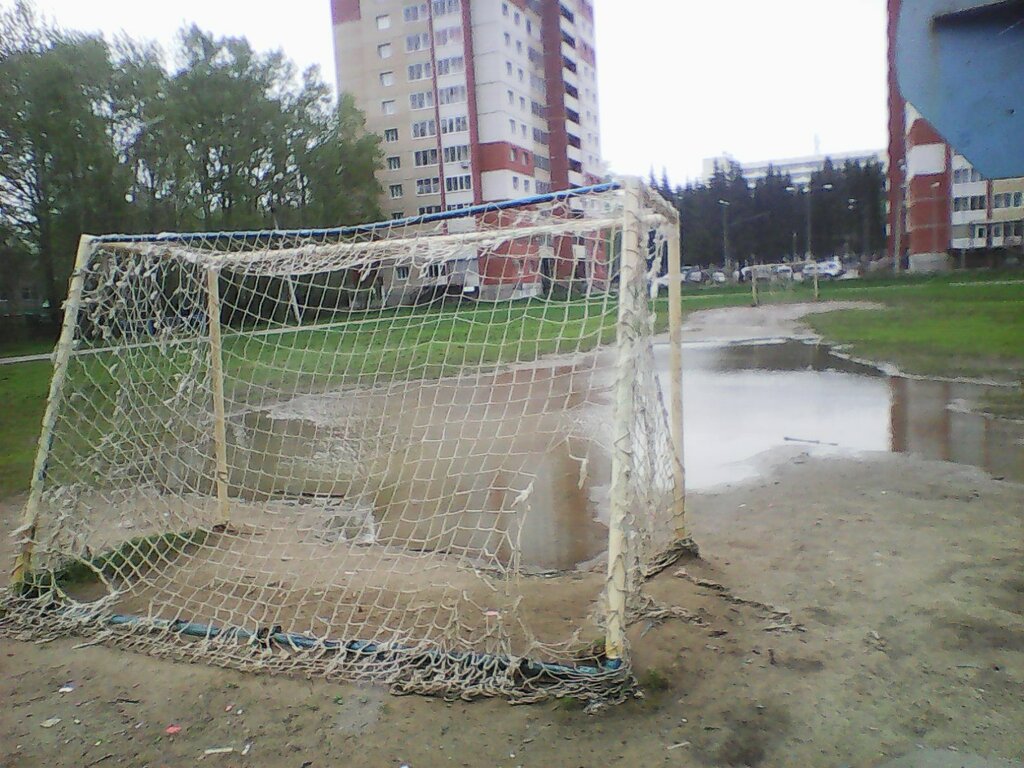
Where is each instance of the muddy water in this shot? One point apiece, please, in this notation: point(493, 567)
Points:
point(743, 400)
point(518, 461)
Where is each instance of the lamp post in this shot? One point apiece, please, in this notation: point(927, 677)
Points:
point(725, 235)
point(808, 190)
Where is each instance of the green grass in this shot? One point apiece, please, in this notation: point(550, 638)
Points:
point(22, 347)
point(23, 389)
point(932, 326)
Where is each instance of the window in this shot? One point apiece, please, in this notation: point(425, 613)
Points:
point(522, 128)
point(526, 185)
point(421, 100)
point(961, 204)
point(450, 65)
point(519, 46)
point(397, 215)
point(515, 17)
point(428, 186)
point(415, 12)
point(442, 7)
point(457, 154)
point(390, 134)
point(417, 42)
point(997, 230)
point(426, 210)
point(384, 51)
point(423, 129)
point(387, 107)
point(394, 163)
point(401, 273)
point(455, 124)
point(515, 182)
point(387, 79)
point(448, 35)
point(508, 68)
point(457, 206)
point(504, 9)
point(513, 155)
point(522, 76)
point(454, 94)
point(419, 71)
point(395, 190)
point(508, 39)
point(529, 27)
point(522, 104)
point(434, 270)
point(511, 97)
point(977, 203)
point(1018, 199)
point(512, 126)
point(979, 231)
point(426, 157)
point(458, 183)
point(383, 22)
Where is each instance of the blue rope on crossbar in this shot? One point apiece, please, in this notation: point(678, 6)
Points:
point(275, 234)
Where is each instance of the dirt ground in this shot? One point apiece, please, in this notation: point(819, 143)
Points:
point(904, 576)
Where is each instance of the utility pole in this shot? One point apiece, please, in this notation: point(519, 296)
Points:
point(725, 235)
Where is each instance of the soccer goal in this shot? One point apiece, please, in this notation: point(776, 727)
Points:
point(440, 453)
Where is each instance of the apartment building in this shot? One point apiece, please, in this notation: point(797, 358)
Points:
point(475, 100)
point(942, 212)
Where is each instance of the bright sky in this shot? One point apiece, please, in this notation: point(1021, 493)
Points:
point(680, 80)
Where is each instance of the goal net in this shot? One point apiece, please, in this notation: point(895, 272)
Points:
point(436, 453)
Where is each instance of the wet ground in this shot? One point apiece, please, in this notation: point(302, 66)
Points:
point(903, 572)
point(488, 439)
point(743, 399)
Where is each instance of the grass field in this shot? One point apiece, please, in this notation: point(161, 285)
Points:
point(939, 326)
point(930, 326)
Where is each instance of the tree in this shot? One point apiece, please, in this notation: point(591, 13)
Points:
point(100, 139)
point(58, 171)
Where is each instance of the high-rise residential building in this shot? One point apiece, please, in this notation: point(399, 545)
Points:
point(941, 210)
point(475, 100)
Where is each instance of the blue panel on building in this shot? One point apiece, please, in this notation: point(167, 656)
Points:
point(961, 64)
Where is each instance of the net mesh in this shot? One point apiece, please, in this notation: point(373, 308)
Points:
point(383, 453)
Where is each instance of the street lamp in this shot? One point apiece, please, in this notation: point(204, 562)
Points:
point(725, 234)
point(808, 190)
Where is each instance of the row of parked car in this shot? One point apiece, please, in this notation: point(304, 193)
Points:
point(831, 269)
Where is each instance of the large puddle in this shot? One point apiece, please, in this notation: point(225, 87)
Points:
point(743, 400)
point(518, 461)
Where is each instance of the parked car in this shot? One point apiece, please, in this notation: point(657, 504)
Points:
point(783, 271)
point(694, 275)
point(829, 270)
point(718, 276)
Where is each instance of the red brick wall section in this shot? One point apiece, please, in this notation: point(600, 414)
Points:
point(897, 143)
point(558, 141)
point(921, 132)
point(474, 127)
point(497, 156)
point(343, 11)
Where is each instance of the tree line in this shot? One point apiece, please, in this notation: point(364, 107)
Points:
point(766, 222)
point(105, 137)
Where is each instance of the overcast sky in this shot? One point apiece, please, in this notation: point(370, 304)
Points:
point(680, 80)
